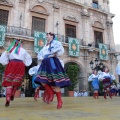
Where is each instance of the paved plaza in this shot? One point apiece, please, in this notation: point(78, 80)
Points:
point(79, 108)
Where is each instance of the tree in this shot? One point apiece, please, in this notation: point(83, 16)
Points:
point(1, 74)
point(72, 72)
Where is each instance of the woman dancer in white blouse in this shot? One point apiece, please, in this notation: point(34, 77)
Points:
point(106, 79)
point(15, 58)
point(95, 83)
point(51, 72)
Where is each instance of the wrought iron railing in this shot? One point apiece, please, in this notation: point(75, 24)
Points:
point(64, 39)
point(13, 30)
point(30, 33)
point(96, 45)
point(18, 31)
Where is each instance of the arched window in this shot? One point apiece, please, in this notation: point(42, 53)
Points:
point(98, 33)
point(70, 27)
point(39, 16)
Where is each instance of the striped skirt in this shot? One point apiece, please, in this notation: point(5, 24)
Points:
point(14, 73)
point(52, 77)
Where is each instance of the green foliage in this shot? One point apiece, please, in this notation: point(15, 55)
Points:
point(101, 86)
point(90, 86)
point(1, 72)
point(114, 81)
point(72, 72)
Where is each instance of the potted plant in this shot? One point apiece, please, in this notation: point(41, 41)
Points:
point(1, 75)
point(72, 72)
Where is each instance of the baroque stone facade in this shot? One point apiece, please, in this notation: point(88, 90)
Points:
point(79, 13)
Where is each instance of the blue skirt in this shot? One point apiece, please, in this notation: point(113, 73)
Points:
point(95, 84)
point(34, 85)
point(52, 76)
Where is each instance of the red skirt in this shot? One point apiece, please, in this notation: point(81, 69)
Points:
point(14, 73)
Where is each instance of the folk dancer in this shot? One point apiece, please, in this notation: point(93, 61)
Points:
point(15, 58)
point(51, 72)
point(106, 79)
point(95, 83)
point(33, 73)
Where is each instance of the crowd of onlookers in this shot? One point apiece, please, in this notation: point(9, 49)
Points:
point(115, 90)
point(81, 93)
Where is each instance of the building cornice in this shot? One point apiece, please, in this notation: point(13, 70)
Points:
point(89, 7)
point(47, 14)
point(6, 3)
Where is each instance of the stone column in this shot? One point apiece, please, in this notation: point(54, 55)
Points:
point(109, 24)
point(27, 15)
point(85, 26)
point(56, 18)
point(113, 61)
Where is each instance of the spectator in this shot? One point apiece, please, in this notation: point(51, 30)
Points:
point(80, 93)
point(118, 86)
point(114, 89)
point(76, 93)
point(85, 93)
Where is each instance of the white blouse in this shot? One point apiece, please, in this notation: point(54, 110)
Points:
point(104, 74)
point(56, 47)
point(23, 55)
point(91, 77)
point(33, 70)
point(118, 70)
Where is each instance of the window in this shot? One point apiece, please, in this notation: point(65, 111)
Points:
point(38, 24)
point(95, 4)
point(98, 36)
point(70, 31)
point(4, 17)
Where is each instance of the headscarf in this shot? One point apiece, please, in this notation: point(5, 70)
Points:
point(16, 44)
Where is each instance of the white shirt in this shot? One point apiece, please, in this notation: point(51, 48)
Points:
point(85, 94)
point(91, 77)
point(80, 94)
point(104, 74)
point(33, 70)
point(118, 70)
point(118, 85)
point(75, 94)
point(56, 48)
point(23, 55)
point(113, 86)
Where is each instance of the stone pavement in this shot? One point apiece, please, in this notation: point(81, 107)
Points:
point(79, 108)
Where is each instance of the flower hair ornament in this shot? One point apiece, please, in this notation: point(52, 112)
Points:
point(16, 44)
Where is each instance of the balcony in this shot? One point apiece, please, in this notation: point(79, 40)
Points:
point(96, 45)
point(24, 32)
point(13, 30)
point(64, 39)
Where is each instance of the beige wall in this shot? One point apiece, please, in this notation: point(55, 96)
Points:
point(63, 11)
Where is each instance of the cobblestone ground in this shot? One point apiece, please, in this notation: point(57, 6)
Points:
point(80, 108)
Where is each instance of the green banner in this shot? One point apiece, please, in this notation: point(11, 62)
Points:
point(39, 41)
point(103, 51)
point(74, 48)
point(2, 35)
